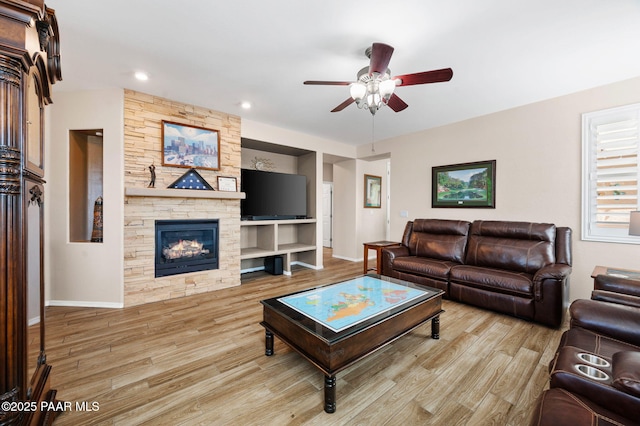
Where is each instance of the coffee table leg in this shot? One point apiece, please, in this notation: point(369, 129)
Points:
point(435, 327)
point(330, 394)
point(268, 343)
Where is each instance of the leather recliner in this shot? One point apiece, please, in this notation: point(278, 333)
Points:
point(604, 389)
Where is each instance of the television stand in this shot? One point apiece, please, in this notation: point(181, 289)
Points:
point(294, 239)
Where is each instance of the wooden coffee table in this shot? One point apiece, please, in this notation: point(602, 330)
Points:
point(335, 326)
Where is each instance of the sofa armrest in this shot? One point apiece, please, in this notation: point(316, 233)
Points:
point(390, 253)
point(557, 271)
point(615, 321)
point(625, 367)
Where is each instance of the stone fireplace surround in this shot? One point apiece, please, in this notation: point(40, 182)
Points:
point(141, 285)
point(143, 115)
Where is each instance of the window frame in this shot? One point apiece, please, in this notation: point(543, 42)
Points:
point(590, 231)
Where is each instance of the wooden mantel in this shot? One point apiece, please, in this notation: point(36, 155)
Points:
point(182, 193)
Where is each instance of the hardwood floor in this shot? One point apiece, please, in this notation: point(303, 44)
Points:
point(200, 360)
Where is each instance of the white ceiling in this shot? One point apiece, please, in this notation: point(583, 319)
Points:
point(216, 54)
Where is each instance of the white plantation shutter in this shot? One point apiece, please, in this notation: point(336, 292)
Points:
point(610, 173)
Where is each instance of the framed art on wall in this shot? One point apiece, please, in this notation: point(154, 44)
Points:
point(190, 146)
point(372, 191)
point(464, 185)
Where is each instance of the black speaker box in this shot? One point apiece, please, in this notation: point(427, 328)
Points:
point(273, 265)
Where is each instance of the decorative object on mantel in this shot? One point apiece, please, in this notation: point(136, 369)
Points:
point(190, 146)
point(227, 184)
point(152, 170)
point(464, 185)
point(260, 163)
point(96, 234)
point(191, 180)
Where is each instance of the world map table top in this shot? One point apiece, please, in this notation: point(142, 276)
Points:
point(337, 325)
point(343, 305)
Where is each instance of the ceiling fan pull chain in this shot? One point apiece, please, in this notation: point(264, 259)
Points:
point(373, 133)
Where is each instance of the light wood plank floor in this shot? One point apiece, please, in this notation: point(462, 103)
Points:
point(200, 360)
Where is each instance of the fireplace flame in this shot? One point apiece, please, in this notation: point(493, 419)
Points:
point(184, 248)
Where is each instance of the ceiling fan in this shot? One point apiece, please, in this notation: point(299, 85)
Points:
point(374, 86)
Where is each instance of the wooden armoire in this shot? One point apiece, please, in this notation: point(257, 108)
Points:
point(29, 65)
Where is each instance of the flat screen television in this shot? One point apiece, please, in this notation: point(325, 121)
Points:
point(271, 195)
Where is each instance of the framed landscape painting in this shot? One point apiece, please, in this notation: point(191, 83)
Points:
point(190, 146)
point(464, 185)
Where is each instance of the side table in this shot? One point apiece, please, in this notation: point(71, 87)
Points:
point(377, 246)
point(615, 272)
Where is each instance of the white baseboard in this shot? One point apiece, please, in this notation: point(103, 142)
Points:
point(350, 259)
point(84, 304)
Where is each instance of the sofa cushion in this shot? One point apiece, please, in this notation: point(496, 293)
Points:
point(439, 239)
point(423, 266)
point(507, 282)
point(515, 246)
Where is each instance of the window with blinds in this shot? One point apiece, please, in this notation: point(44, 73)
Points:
point(610, 173)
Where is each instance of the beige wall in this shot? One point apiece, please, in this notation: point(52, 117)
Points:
point(84, 273)
point(538, 153)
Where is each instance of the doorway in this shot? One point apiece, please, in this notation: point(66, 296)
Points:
point(327, 214)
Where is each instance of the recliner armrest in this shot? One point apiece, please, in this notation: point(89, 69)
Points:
point(613, 297)
point(617, 285)
point(557, 271)
point(389, 254)
point(613, 320)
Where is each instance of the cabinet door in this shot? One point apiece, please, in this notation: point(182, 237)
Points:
point(34, 147)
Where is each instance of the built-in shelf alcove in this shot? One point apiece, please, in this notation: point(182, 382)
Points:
point(86, 180)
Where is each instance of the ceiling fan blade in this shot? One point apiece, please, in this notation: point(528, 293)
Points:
point(328, 83)
point(380, 57)
point(435, 76)
point(343, 105)
point(396, 104)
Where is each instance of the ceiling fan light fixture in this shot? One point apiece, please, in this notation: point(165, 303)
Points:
point(358, 91)
point(386, 88)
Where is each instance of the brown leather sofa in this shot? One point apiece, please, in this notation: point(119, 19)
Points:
point(595, 374)
point(517, 268)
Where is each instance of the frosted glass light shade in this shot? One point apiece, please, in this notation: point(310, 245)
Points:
point(386, 88)
point(357, 90)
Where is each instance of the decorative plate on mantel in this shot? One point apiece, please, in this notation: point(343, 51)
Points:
point(191, 180)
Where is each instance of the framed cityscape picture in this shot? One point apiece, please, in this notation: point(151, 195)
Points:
point(464, 185)
point(189, 146)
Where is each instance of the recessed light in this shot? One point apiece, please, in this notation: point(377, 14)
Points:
point(246, 105)
point(142, 76)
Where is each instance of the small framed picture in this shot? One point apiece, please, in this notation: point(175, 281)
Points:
point(227, 184)
point(372, 191)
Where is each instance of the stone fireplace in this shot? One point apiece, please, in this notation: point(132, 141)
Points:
point(143, 206)
point(183, 246)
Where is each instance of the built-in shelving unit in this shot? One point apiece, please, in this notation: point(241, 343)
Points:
point(294, 239)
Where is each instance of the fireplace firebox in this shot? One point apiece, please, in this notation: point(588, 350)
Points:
point(186, 246)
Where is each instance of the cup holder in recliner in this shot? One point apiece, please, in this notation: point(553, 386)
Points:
point(594, 360)
point(591, 372)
